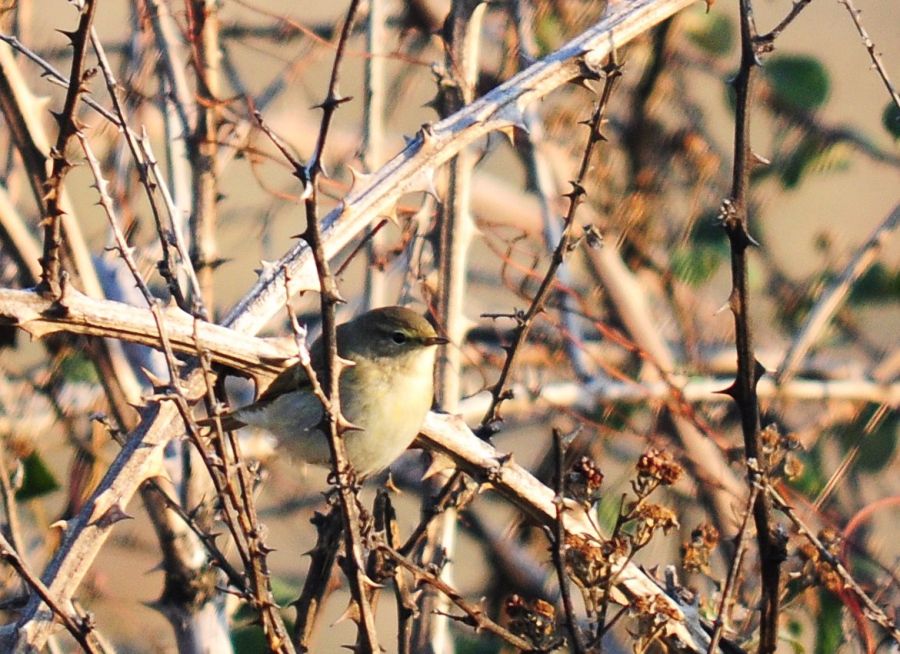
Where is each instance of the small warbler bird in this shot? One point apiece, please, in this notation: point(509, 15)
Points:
point(386, 393)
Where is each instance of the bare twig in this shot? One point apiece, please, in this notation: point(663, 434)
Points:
point(85, 535)
point(559, 546)
point(343, 475)
point(475, 615)
point(873, 611)
point(82, 629)
point(524, 321)
point(315, 586)
point(733, 572)
point(204, 34)
point(874, 55)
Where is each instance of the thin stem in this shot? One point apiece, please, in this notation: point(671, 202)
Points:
point(559, 546)
point(525, 321)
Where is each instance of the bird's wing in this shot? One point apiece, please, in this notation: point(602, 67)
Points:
point(289, 380)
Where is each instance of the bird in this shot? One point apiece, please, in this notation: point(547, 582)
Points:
point(385, 394)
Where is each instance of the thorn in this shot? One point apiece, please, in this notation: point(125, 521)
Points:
point(760, 160)
point(69, 35)
point(730, 391)
point(439, 463)
point(759, 370)
point(360, 178)
point(156, 383)
point(267, 269)
point(426, 133)
point(111, 516)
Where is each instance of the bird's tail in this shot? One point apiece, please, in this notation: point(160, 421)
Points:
point(230, 422)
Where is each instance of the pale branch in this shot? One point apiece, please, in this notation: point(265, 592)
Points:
point(456, 86)
point(80, 314)
point(81, 629)
point(436, 144)
point(450, 435)
point(831, 299)
point(204, 32)
point(267, 357)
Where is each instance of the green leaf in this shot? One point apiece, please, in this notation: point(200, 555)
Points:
point(798, 81)
point(811, 155)
point(713, 33)
point(249, 640)
point(812, 480)
point(695, 265)
point(76, 367)
point(38, 480)
point(877, 284)
point(890, 118)
point(829, 630)
point(876, 449)
point(708, 230)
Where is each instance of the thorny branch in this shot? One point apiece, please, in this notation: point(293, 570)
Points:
point(559, 545)
point(733, 572)
point(524, 321)
point(343, 475)
point(873, 611)
point(81, 628)
point(475, 615)
point(735, 220)
point(68, 127)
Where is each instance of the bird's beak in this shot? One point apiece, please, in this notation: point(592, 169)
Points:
point(435, 340)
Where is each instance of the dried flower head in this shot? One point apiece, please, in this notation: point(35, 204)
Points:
point(778, 452)
point(583, 481)
point(590, 563)
point(652, 615)
point(655, 467)
point(586, 560)
point(533, 620)
point(648, 518)
point(822, 563)
point(696, 552)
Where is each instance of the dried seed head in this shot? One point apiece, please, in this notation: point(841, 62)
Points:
point(651, 615)
point(583, 481)
point(821, 564)
point(650, 517)
point(533, 620)
point(655, 467)
point(696, 552)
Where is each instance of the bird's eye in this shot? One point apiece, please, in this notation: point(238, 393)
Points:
point(398, 337)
